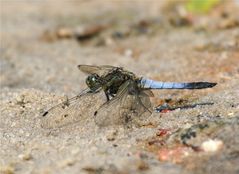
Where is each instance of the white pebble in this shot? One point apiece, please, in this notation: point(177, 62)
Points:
point(128, 53)
point(211, 145)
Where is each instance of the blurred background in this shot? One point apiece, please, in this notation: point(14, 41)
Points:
point(43, 41)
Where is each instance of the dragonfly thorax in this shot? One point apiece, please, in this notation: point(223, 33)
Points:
point(115, 80)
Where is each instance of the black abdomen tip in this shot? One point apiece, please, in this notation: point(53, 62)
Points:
point(212, 85)
point(206, 85)
point(200, 85)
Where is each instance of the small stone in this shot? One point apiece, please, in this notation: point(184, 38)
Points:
point(25, 157)
point(19, 99)
point(112, 135)
point(13, 124)
point(211, 145)
point(67, 162)
point(128, 53)
point(64, 33)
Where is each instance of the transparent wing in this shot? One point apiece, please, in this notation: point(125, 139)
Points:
point(147, 92)
point(144, 100)
point(70, 111)
point(100, 70)
point(124, 107)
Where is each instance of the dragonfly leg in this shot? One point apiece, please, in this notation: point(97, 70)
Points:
point(107, 96)
point(95, 113)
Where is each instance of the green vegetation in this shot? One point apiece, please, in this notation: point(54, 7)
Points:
point(201, 6)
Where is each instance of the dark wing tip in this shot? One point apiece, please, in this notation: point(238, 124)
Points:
point(45, 113)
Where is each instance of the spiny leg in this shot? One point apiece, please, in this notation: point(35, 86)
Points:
point(107, 96)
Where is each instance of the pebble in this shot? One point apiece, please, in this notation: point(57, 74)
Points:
point(211, 145)
point(25, 157)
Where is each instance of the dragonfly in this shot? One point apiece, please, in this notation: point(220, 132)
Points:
point(127, 96)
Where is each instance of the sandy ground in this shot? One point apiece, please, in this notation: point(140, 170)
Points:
point(38, 68)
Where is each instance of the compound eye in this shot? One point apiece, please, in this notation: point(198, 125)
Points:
point(94, 78)
point(91, 81)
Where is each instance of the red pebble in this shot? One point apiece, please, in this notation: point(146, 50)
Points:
point(165, 111)
point(162, 132)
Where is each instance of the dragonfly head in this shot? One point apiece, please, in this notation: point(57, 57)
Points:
point(93, 82)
